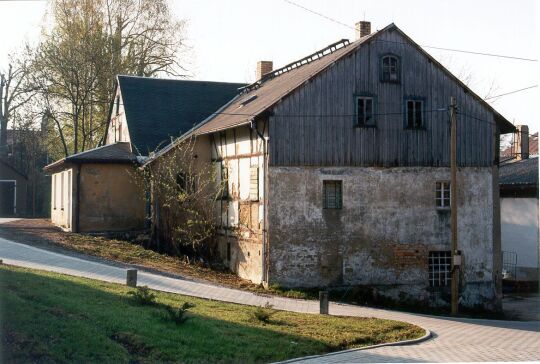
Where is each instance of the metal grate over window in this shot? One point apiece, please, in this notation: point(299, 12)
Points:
point(332, 194)
point(440, 273)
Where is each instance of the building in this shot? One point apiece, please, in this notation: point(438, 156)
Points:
point(13, 191)
point(519, 210)
point(95, 190)
point(337, 167)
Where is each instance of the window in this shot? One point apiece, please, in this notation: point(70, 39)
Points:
point(332, 196)
point(439, 268)
point(254, 183)
point(62, 190)
point(442, 195)
point(117, 105)
point(224, 181)
point(389, 68)
point(364, 111)
point(415, 110)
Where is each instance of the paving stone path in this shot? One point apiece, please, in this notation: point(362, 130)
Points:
point(453, 340)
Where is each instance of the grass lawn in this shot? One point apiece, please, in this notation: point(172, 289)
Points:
point(47, 317)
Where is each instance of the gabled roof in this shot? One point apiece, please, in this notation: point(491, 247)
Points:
point(158, 109)
point(268, 91)
point(522, 172)
point(117, 153)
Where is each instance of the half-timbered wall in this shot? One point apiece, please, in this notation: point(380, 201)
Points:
point(314, 125)
point(238, 157)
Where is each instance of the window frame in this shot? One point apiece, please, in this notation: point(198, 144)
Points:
point(338, 198)
point(440, 195)
point(439, 259)
point(414, 99)
point(398, 68)
point(365, 96)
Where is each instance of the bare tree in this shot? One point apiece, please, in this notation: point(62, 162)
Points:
point(183, 190)
point(89, 43)
point(15, 92)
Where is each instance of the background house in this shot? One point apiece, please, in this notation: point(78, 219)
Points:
point(13, 191)
point(519, 209)
point(338, 174)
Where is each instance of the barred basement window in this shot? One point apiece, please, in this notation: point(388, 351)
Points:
point(442, 195)
point(332, 196)
point(439, 264)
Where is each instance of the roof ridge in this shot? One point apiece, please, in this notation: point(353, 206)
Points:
point(177, 80)
point(94, 149)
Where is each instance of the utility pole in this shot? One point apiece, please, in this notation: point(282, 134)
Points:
point(456, 258)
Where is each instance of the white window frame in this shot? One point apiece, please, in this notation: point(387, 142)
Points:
point(443, 195)
point(392, 76)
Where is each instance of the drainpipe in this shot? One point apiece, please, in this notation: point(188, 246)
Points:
point(264, 255)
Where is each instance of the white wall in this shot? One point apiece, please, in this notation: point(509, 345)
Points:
point(118, 128)
point(61, 198)
point(519, 229)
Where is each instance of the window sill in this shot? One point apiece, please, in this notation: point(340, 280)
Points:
point(362, 126)
point(443, 209)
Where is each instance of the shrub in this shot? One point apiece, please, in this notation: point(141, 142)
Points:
point(143, 296)
point(178, 315)
point(263, 314)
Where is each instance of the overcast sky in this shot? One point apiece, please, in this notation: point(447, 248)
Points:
point(227, 38)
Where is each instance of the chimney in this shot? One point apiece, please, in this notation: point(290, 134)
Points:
point(263, 67)
point(363, 28)
point(521, 145)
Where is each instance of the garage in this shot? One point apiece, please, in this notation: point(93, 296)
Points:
point(8, 198)
point(13, 185)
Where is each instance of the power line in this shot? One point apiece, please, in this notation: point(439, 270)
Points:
point(511, 92)
point(424, 46)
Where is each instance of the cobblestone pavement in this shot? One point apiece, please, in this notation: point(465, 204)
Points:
point(453, 340)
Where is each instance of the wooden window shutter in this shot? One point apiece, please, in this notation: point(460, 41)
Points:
point(254, 183)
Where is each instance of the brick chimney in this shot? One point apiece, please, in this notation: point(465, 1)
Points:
point(363, 28)
point(263, 67)
point(521, 145)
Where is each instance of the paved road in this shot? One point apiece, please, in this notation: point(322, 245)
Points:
point(453, 340)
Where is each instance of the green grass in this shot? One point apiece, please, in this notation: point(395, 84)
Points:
point(47, 317)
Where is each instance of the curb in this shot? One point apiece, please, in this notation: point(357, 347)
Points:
point(427, 336)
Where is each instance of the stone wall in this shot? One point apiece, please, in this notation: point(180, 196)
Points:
point(382, 235)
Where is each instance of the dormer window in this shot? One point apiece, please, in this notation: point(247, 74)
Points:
point(390, 68)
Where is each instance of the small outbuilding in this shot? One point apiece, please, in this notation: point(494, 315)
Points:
point(97, 190)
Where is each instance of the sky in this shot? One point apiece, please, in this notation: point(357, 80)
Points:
point(225, 39)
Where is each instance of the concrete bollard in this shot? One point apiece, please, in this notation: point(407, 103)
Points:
point(131, 278)
point(323, 301)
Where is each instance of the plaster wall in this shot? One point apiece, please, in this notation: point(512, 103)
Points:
point(110, 200)
point(383, 234)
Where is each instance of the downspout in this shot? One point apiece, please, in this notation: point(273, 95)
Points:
point(264, 255)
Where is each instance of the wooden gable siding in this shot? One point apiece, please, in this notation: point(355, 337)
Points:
point(324, 134)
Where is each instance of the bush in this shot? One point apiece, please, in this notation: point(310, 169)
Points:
point(178, 315)
point(263, 314)
point(143, 296)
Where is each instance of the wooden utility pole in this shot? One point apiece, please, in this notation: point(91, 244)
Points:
point(456, 261)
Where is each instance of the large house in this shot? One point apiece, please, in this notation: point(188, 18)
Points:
point(96, 190)
point(337, 172)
